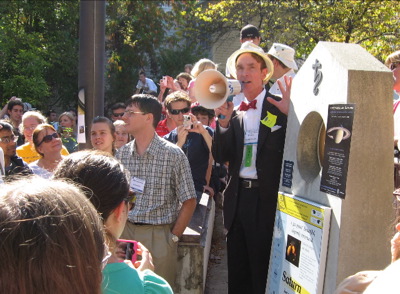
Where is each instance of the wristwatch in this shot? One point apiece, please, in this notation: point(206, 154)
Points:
point(175, 238)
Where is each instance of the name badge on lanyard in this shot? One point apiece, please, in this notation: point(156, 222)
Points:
point(250, 141)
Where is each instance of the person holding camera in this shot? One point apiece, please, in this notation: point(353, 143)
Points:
point(194, 138)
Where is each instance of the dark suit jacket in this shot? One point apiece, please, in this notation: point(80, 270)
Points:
point(229, 147)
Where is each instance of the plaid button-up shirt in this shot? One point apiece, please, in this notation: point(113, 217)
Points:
point(168, 180)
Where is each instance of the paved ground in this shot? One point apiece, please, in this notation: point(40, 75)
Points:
point(217, 274)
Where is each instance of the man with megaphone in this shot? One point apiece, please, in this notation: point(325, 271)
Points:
point(251, 138)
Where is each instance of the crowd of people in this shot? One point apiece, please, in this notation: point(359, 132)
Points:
point(152, 160)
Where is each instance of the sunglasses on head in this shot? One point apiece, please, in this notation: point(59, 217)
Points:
point(118, 114)
point(48, 138)
point(177, 111)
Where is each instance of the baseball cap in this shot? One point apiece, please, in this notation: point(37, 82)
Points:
point(249, 31)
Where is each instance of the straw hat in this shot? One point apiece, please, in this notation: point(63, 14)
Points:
point(250, 47)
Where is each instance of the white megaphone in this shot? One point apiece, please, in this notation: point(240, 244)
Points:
point(212, 88)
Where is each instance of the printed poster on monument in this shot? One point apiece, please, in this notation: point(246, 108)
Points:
point(337, 149)
point(299, 246)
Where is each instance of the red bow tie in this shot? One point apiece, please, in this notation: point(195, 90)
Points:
point(246, 106)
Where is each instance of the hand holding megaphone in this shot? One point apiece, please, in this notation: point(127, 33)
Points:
point(212, 88)
point(224, 113)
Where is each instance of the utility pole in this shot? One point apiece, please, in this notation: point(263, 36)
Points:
point(91, 62)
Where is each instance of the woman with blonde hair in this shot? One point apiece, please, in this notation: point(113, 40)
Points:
point(198, 68)
point(122, 137)
point(51, 239)
point(30, 120)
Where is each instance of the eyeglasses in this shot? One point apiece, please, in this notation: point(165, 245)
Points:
point(394, 65)
point(177, 111)
point(130, 199)
point(9, 139)
point(48, 138)
point(129, 113)
point(118, 114)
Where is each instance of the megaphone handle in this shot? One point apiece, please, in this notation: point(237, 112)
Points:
point(229, 99)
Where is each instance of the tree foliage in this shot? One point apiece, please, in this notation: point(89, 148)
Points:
point(39, 40)
point(39, 50)
point(141, 35)
point(303, 23)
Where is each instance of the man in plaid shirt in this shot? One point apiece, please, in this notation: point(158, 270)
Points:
point(161, 178)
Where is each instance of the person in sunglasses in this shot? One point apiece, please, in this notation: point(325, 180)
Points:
point(192, 137)
point(30, 120)
point(13, 164)
point(48, 144)
point(117, 111)
point(108, 190)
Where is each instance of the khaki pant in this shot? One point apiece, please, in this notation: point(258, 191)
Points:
point(156, 238)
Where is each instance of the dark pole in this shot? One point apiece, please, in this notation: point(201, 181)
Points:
point(91, 60)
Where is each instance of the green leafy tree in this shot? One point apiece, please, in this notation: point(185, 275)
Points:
point(39, 46)
point(303, 23)
point(134, 31)
point(145, 35)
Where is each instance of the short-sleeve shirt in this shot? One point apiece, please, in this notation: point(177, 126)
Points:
point(167, 178)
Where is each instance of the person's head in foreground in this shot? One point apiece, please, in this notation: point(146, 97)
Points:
point(106, 185)
point(51, 239)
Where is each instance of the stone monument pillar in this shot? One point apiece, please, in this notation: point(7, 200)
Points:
point(360, 227)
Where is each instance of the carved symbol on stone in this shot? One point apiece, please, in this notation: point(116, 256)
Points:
point(317, 76)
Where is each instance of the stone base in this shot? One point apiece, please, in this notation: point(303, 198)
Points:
point(194, 249)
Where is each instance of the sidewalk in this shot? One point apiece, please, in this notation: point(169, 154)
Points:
point(217, 273)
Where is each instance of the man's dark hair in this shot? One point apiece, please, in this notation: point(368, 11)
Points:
point(203, 111)
point(5, 125)
point(12, 103)
point(117, 106)
point(147, 104)
point(184, 75)
point(142, 73)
